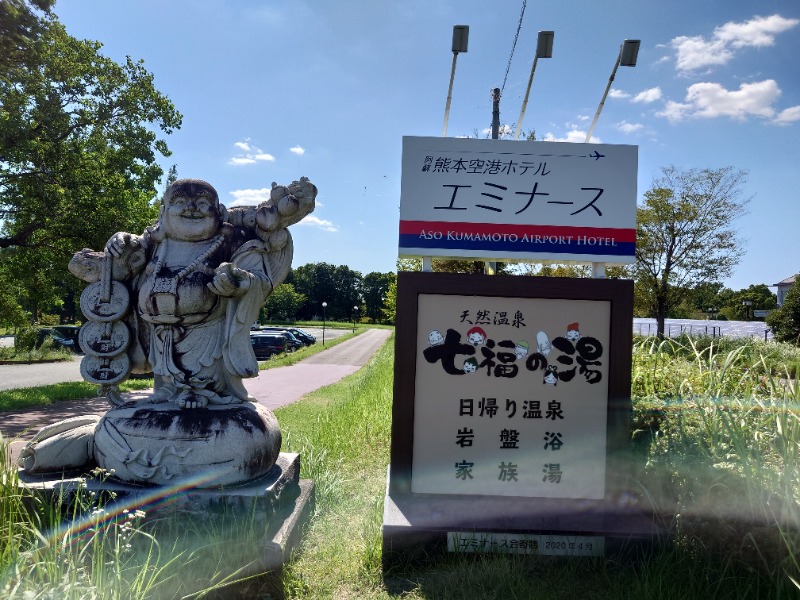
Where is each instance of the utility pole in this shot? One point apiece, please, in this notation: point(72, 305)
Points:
point(496, 114)
point(490, 267)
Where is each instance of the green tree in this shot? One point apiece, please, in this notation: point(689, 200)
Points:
point(702, 298)
point(338, 286)
point(374, 289)
point(284, 303)
point(19, 27)
point(684, 235)
point(785, 322)
point(758, 297)
point(78, 145)
point(390, 303)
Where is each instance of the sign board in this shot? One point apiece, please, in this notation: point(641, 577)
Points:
point(514, 201)
point(511, 415)
point(510, 386)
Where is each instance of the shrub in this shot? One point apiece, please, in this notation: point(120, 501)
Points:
point(785, 321)
point(25, 339)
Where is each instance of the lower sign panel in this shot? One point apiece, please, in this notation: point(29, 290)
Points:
point(525, 543)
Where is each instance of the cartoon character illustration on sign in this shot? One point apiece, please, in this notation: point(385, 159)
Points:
point(521, 349)
point(470, 365)
point(476, 336)
point(435, 338)
point(551, 375)
point(543, 343)
point(573, 333)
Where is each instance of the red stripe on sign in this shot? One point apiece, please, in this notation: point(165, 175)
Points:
point(416, 228)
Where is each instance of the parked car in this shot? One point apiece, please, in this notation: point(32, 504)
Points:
point(63, 336)
point(292, 343)
point(306, 338)
point(303, 336)
point(267, 344)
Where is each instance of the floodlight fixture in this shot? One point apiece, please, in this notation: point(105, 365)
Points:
point(460, 44)
point(460, 38)
point(628, 52)
point(544, 44)
point(544, 49)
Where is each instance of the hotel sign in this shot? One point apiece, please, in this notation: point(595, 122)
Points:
point(514, 201)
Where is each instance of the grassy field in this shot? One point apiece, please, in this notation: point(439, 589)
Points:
point(715, 444)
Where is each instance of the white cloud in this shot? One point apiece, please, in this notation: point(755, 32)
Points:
point(615, 93)
point(648, 96)
point(299, 150)
point(504, 131)
point(626, 127)
point(575, 135)
point(697, 52)
point(241, 160)
point(249, 197)
point(312, 221)
point(758, 31)
point(710, 100)
point(790, 115)
point(249, 154)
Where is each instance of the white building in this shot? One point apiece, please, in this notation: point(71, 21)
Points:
point(783, 288)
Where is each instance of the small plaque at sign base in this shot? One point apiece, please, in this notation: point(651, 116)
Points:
point(525, 543)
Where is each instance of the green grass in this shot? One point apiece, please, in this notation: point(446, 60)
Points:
point(745, 556)
point(28, 398)
point(716, 450)
point(9, 354)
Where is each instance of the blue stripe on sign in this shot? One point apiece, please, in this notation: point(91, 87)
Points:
point(572, 247)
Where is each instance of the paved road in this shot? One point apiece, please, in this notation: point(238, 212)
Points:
point(272, 388)
point(19, 376)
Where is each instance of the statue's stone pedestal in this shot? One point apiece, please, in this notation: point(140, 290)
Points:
point(279, 504)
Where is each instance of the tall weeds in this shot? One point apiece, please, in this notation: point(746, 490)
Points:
point(723, 433)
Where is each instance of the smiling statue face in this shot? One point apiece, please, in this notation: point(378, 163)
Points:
point(191, 211)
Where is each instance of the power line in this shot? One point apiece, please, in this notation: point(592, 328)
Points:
point(514, 45)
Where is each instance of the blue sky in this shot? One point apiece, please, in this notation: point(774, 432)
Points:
point(271, 91)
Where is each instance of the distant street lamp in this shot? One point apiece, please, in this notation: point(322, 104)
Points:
point(544, 49)
point(747, 304)
point(628, 52)
point(324, 306)
point(460, 43)
point(355, 312)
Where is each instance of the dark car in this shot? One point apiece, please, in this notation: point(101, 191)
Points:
point(303, 336)
point(292, 343)
point(268, 344)
point(306, 338)
point(63, 336)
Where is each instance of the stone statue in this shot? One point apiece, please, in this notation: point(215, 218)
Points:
point(178, 301)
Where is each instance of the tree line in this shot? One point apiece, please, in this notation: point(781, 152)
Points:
point(318, 291)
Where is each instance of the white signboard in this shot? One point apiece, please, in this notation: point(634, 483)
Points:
point(511, 396)
point(512, 201)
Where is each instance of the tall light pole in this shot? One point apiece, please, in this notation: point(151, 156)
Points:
point(355, 312)
point(324, 306)
point(460, 43)
point(628, 52)
point(544, 49)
